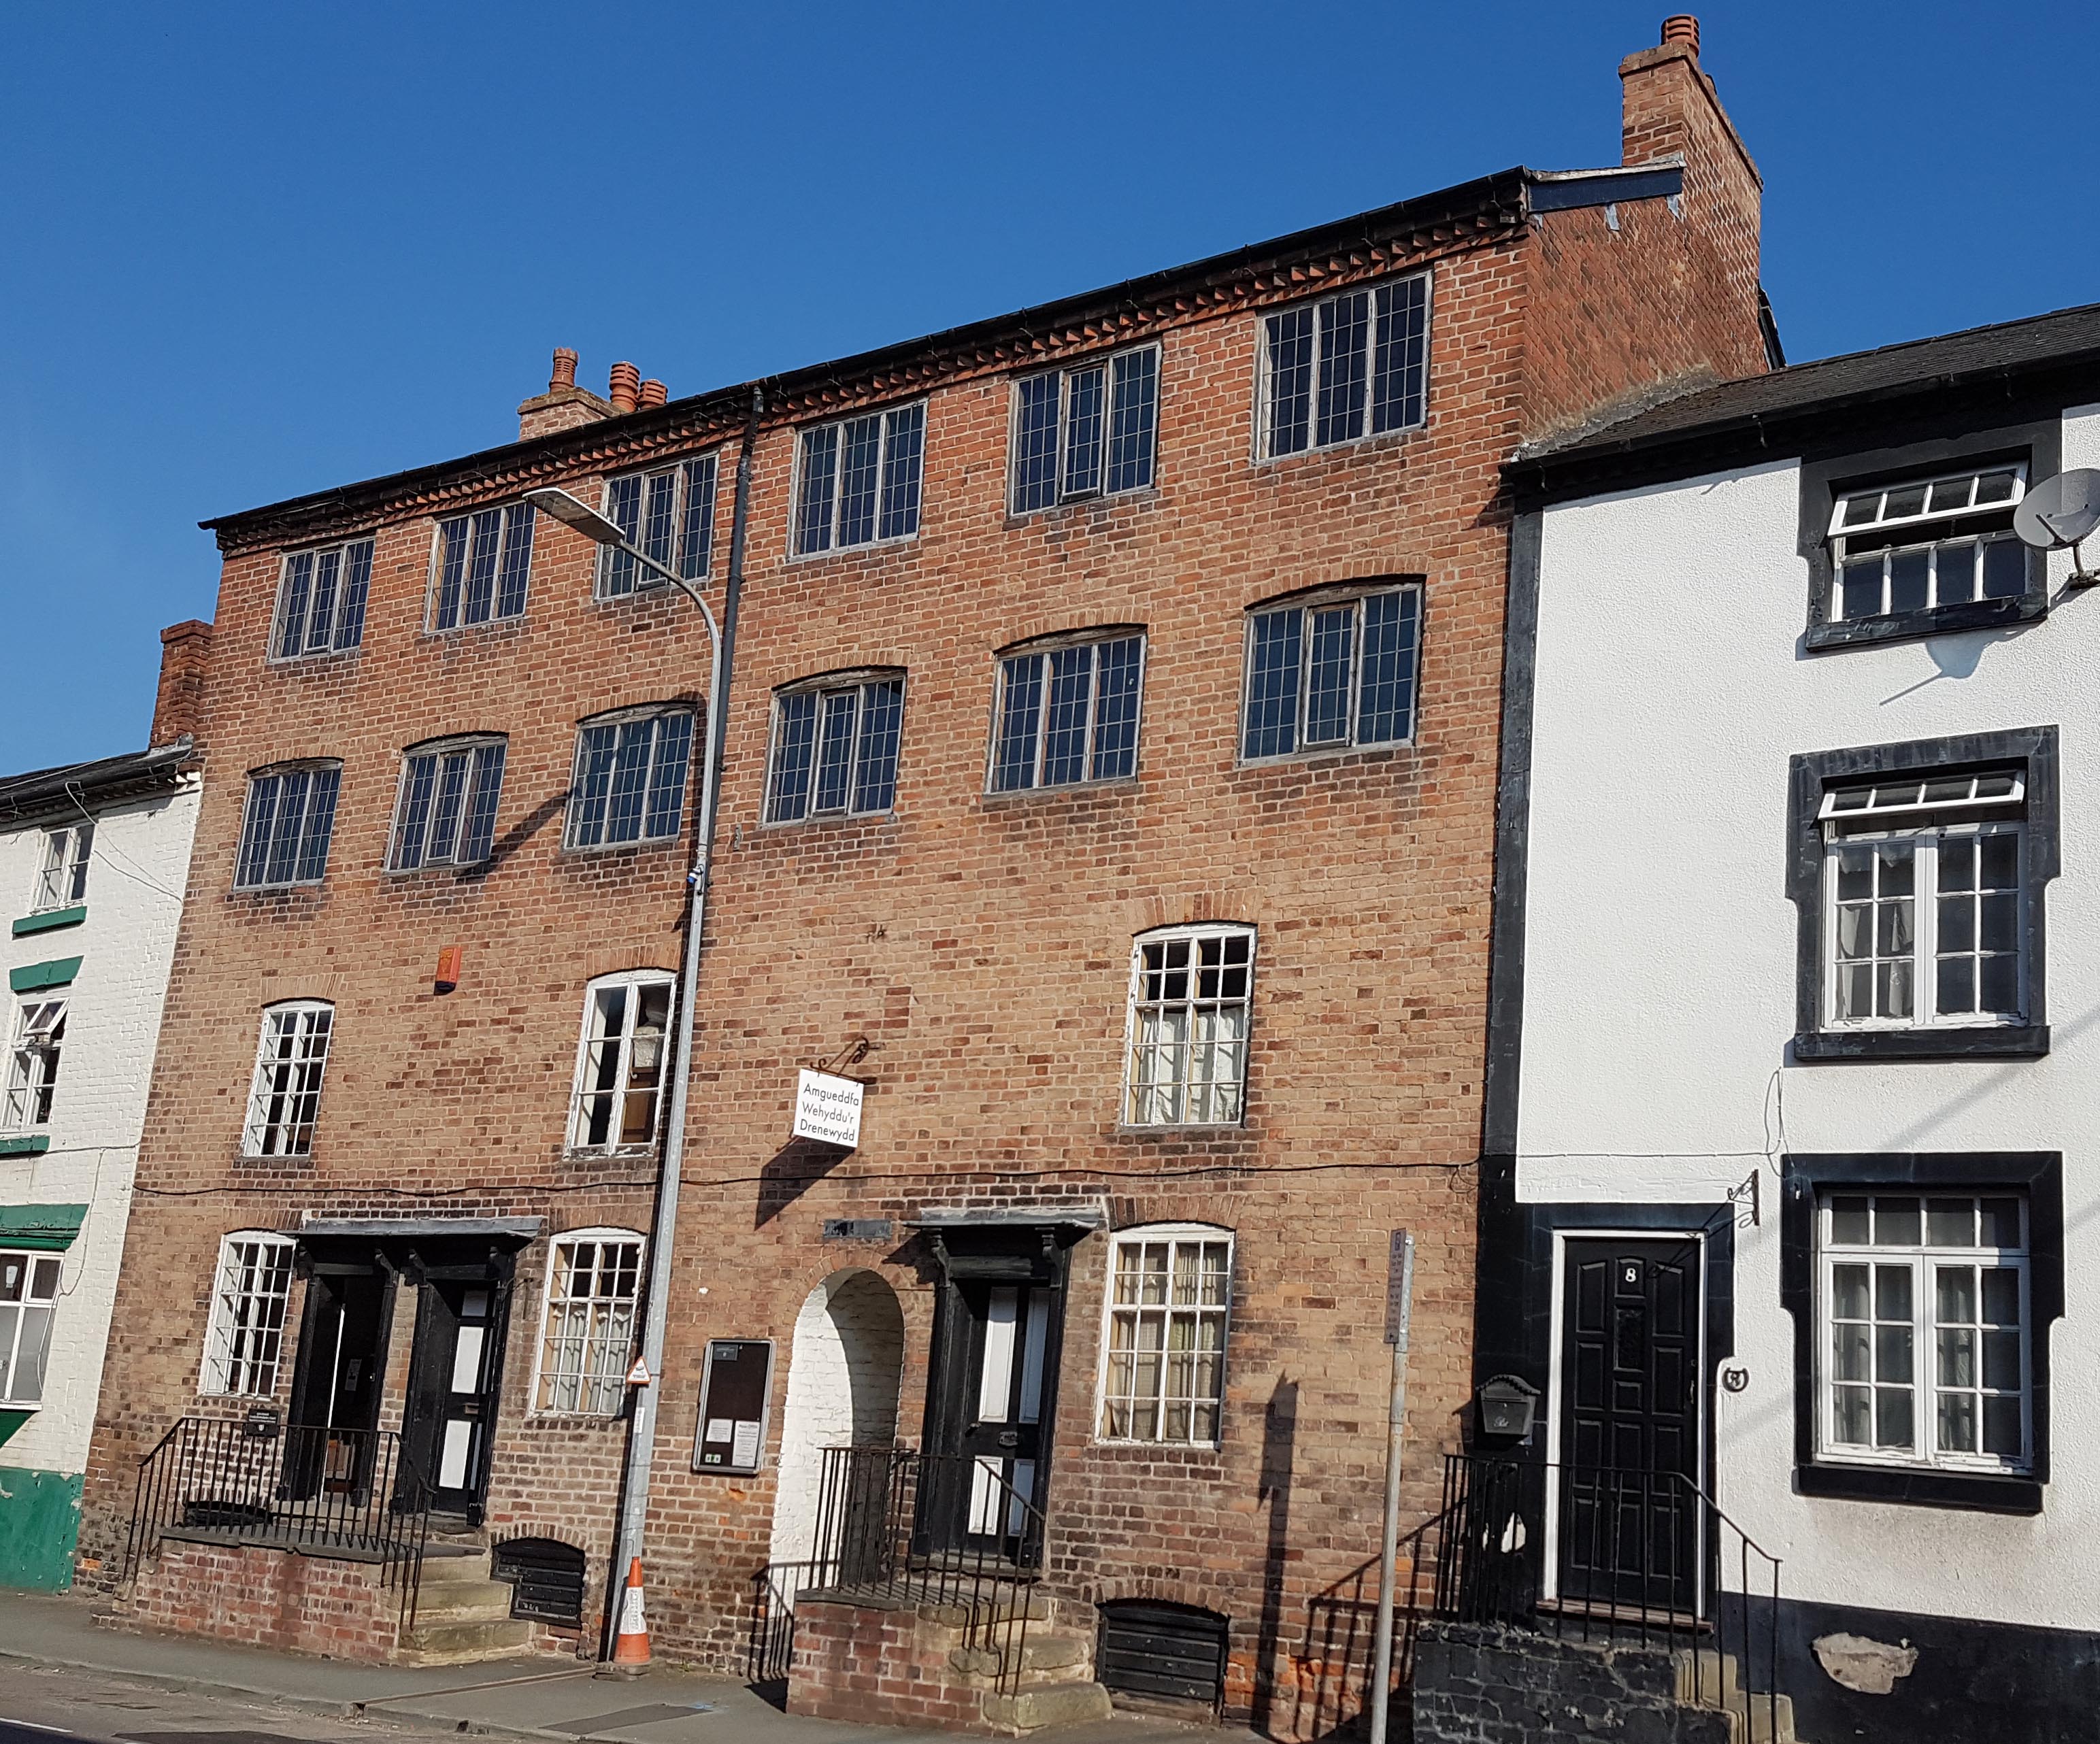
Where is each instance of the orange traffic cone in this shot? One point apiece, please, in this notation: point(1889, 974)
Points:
point(630, 1646)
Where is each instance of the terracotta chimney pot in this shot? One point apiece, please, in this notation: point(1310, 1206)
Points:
point(565, 370)
point(1681, 27)
point(654, 392)
point(626, 387)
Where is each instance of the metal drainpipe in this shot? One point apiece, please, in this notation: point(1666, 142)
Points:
point(642, 1424)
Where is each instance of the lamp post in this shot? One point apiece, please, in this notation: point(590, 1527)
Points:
point(721, 635)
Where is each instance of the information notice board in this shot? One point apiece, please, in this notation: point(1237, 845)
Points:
point(735, 1392)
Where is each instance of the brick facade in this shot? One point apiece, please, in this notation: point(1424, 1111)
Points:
point(980, 943)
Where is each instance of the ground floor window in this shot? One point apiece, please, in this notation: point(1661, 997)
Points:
point(594, 1285)
point(28, 1293)
point(244, 1341)
point(1170, 1295)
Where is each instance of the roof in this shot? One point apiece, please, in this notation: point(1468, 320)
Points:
point(42, 791)
point(1763, 413)
point(1486, 210)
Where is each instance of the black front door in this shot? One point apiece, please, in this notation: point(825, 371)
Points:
point(453, 1381)
point(995, 1369)
point(329, 1442)
point(1629, 1425)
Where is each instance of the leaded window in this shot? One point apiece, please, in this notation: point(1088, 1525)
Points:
point(1332, 672)
point(243, 1342)
point(285, 1094)
point(446, 815)
point(1068, 713)
point(484, 561)
point(1923, 542)
point(668, 513)
point(32, 1063)
point(1089, 430)
point(1189, 999)
point(630, 778)
point(285, 829)
point(320, 600)
point(61, 878)
point(28, 1298)
point(858, 481)
point(619, 1068)
point(1345, 367)
point(835, 746)
point(1170, 1297)
point(1924, 1327)
point(594, 1285)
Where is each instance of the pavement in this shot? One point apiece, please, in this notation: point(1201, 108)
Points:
point(534, 1697)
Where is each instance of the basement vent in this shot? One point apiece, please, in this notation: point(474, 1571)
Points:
point(546, 1580)
point(1152, 1649)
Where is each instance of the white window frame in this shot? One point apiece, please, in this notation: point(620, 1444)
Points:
point(313, 768)
point(1047, 647)
point(1264, 412)
point(235, 1297)
point(35, 1053)
point(857, 683)
point(482, 752)
point(1922, 524)
point(1195, 934)
point(515, 524)
point(1974, 811)
point(579, 1125)
point(658, 715)
point(610, 1383)
point(1323, 600)
point(39, 1266)
point(283, 1079)
point(1177, 1237)
point(62, 879)
point(1062, 489)
point(888, 414)
point(684, 472)
point(348, 605)
point(1920, 1258)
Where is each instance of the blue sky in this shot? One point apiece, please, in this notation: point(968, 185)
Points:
point(255, 250)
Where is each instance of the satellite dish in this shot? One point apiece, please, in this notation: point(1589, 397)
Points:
point(2060, 512)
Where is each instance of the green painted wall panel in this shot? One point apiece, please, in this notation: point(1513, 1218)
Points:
point(39, 1526)
point(60, 972)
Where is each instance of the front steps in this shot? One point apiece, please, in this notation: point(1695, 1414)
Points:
point(461, 1614)
point(1714, 1680)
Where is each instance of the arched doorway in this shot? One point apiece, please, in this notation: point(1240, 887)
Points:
point(843, 1379)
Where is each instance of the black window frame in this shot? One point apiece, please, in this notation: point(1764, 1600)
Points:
point(508, 572)
point(349, 600)
point(2036, 1175)
point(686, 545)
point(2038, 446)
point(1095, 639)
point(859, 681)
point(315, 842)
point(2034, 750)
point(1319, 386)
point(1323, 597)
point(1066, 482)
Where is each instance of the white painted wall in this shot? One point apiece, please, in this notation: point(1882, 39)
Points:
point(134, 888)
point(1659, 975)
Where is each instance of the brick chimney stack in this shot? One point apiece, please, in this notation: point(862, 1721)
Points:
point(563, 406)
point(625, 388)
point(179, 705)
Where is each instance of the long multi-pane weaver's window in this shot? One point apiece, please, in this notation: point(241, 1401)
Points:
point(630, 779)
point(1169, 1298)
point(593, 1282)
point(669, 515)
point(1189, 997)
point(1345, 367)
point(1085, 431)
point(244, 1341)
point(320, 600)
point(619, 1069)
point(1924, 901)
point(483, 560)
point(29, 1297)
point(1928, 542)
point(447, 812)
point(284, 1096)
point(33, 1063)
point(858, 481)
point(1068, 714)
point(835, 750)
point(285, 832)
point(1332, 673)
point(61, 878)
point(1924, 1323)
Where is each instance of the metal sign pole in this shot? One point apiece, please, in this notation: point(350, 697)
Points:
point(1399, 1305)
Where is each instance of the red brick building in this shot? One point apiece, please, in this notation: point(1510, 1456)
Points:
point(1109, 789)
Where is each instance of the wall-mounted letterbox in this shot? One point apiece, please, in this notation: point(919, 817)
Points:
point(1507, 1407)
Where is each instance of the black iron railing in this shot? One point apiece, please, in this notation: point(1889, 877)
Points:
point(948, 1533)
point(355, 1495)
point(1633, 1558)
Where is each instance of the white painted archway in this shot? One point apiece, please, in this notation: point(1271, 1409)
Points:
point(843, 1378)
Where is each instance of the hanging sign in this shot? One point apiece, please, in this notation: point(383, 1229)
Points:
point(827, 1109)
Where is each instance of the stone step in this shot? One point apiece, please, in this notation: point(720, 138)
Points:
point(1711, 1680)
point(956, 1616)
point(1046, 1654)
point(489, 1603)
point(455, 1571)
point(441, 1643)
point(1035, 1706)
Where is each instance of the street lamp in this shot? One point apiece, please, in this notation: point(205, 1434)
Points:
point(559, 505)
